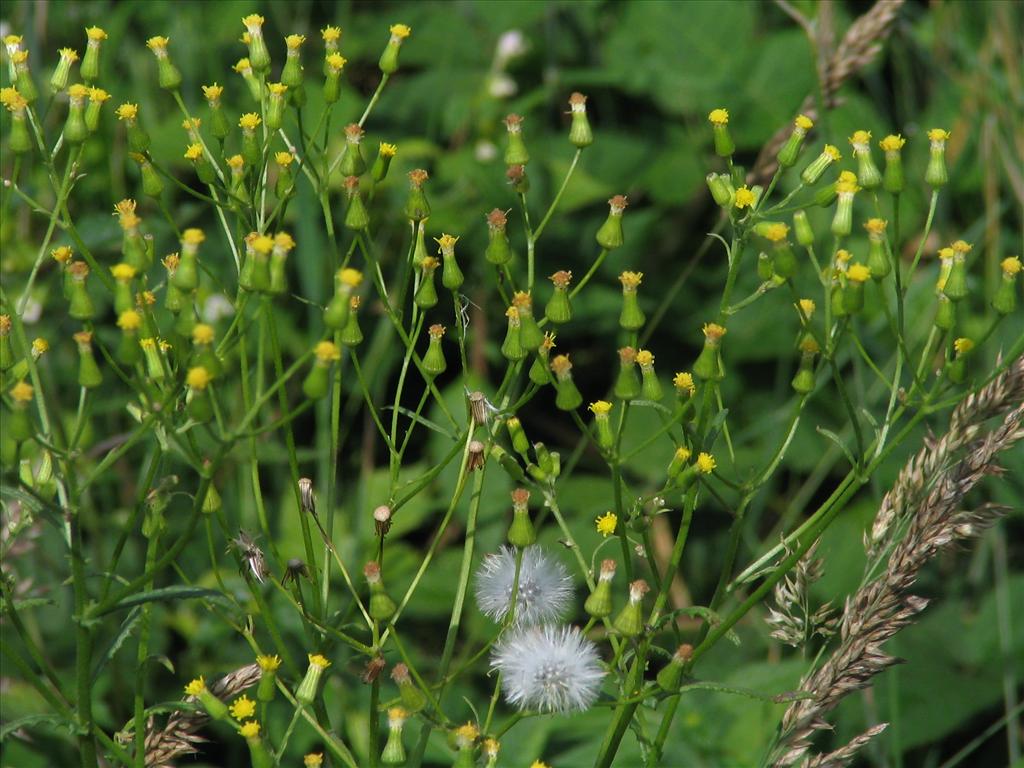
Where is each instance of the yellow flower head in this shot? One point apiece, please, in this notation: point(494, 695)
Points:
point(682, 453)
point(62, 254)
point(561, 365)
point(600, 408)
point(294, 42)
point(858, 273)
point(776, 232)
point(191, 124)
point(326, 352)
point(235, 162)
point(631, 280)
point(644, 358)
point(719, 117)
point(83, 339)
point(466, 734)
point(316, 659)
point(713, 331)
point(331, 34)
point(127, 112)
point(129, 320)
point(833, 152)
point(446, 242)
point(607, 523)
point(199, 378)
point(706, 463)
point(95, 33)
point(40, 346)
point(5, 325)
point(892, 143)
point(809, 346)
point(387, 150)
point(243, 707)
point(278, 89)
point(165, 346)
point(961, 247)
point(147, 298)
point(744, 197)
point(98, 95)
point(8, 95)
point(875, 227)
point(198, 685)
point(202, 334)
point(683, 381)
point(263, 244)
point(253, 23)
point(14, 102)
point(123, 272)
point(192, 236)
point(78, 92)
point(807, 307)
point(22, 392)
point(336, 62)
point(963, 345)
point(69, 55)
point(539, 764)
point(847, 186)
point(284, 159)
point(283, 241)
point(436, 331)
point(13, 41)
point(268, 663)
point(250, 730)
point(249, 121)
point(803, 122)
point(400, 31)
point(938, 135)
point(429, 264)
point(860, 140)
point(843, 256)
point(350, 277)
point(19, 57)
point(313, 760)
point(194, 151)
point(242, 66)
point(158, 44)
point(1010, 265)
point(213, 92)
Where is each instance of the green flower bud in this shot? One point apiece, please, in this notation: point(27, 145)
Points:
point(853, 292)
point(568, 397)
point(721, 188)
point(680, 461)
point(1005, 299)
point(531, 335)
point(631, 318)
point(955, 286)
point(214, 707)
point(803, 381)
point(559, 308)
point(451, 275)
point(352, 162)
point(878, 257)
point(352, 334)
point(170, 77)
point(292, 72)
point(22, 76)
point(19, 426)
point(512, 348)
point(498, 250)
point(842, 222)
point(81, 303)
point(334, 63)
point(382, 607)
point(630, 622)
point(416, 206)
point(945, 314)
point(627, 384)
point(516, 175)
point(540, 370)
point(394, 750)
point(276, 105)
point(307, 690)
point(670, 676)
point(956, 369)
point(650, 386)
point(791, 149)
point(816, 168)
point(868, 174)
point(521, 533)
point(283, 244)
point(199, 405)
point(89, 375)
point(389, 59)
point(90, 68)
point(382, 163)
point(724, 145)
point(426, 294)
point(708, 366)
point(515, 152)
point(19, 139)
point(802, 227)
point(128, 351)
point(152, 353)
point(935, 174)
point(784, 261)
point(267, 687)
point(356, 216)
point(433, 361)
point(892, 180)
point(413, 699)
point(212, 503)
point(609, 236)
point(92, 112)
point(601, 410)
point(317, 381)
point(599, 603)
point(518, 436)
point(336, 314)
point(252, 144)
point(258, 53)
point(75, 129)
point(580, 133)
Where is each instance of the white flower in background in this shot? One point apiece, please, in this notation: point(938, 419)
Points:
point(485, 151)
point(544, 593)
point(217, 306)
point(510, 45)
point(548, 669)
point(501, 86)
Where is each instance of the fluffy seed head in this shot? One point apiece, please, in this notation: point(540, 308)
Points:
point(545, 588)
point(548, 669)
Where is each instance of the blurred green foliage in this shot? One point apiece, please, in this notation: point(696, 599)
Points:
point(652, 71)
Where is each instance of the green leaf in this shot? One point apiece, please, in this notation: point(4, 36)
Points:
point(127, 627)
point(29, 721)
point(169, 593)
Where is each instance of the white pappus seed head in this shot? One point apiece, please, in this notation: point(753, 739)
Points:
point(548, 669)
point(544, 592)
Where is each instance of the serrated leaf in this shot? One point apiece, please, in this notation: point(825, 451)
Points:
point(127, 627)
point(839, 442)
point(54, 721)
